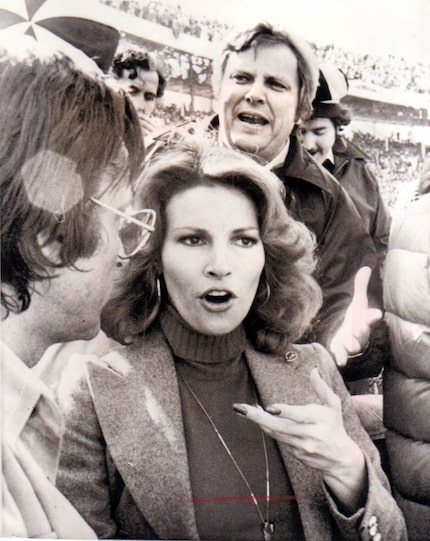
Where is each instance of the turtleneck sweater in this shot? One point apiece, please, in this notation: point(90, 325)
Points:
point(216, 370)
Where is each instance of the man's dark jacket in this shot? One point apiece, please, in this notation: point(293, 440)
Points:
point(351, 170)
point(314, 197)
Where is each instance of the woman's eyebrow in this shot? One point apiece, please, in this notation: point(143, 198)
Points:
point(246, 228)
point(192, 228)
point(201, 230)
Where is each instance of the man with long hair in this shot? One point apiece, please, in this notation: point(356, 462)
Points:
point(70, 149)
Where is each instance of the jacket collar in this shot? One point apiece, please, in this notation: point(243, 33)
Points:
point(145, 434)
point(22, 391)
point(344, 151)
point(344, 147)
point(300, 165)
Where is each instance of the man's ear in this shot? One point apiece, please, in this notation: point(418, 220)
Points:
point(298, 116)
point(51, 249)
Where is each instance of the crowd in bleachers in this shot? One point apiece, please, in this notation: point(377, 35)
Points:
point(379, 110)
point(387, 72)
point(173, 17)
point(396, 165)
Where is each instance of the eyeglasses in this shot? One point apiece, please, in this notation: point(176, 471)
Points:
point(134, 229)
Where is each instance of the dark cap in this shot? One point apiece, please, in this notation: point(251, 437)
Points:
point(333, 86)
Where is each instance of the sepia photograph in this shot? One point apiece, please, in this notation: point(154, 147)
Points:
point(215, 270)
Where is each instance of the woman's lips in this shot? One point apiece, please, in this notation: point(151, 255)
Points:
point(217, 300)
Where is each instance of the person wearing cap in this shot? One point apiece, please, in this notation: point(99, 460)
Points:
point(65, 177)
point(322, 137)
point(138, 74)
point(265, 80)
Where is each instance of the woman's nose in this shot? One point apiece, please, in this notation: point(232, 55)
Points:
point(217, 265)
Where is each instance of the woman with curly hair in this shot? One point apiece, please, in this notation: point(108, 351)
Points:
point(158, 439)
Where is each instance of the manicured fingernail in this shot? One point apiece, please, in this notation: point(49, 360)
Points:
point(241, 410)
point(273, 410)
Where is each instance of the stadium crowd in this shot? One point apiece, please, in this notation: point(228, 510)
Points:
point(377, 71)
point(174, 18)
point(370, 70)
point(395, 164)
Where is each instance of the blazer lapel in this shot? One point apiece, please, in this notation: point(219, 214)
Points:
point(286, 380)
point(139, 409)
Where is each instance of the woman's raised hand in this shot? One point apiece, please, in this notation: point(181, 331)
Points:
point(316, 436)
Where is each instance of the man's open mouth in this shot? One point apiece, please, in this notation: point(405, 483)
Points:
point(252, 119)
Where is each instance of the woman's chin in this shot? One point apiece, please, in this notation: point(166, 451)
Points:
point(217, 323)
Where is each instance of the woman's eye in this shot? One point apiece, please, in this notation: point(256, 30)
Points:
point(245, 242)
point(191, 241)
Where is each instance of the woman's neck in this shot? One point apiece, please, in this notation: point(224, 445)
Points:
point(190, 345)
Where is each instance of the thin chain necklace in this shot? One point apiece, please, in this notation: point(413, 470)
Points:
point(266, 525)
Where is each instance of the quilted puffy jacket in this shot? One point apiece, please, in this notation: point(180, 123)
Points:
point(407, 379)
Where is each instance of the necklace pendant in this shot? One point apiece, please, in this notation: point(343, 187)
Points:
point(268, 528)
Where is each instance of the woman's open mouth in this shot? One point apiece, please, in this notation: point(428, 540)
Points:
point(217, 299)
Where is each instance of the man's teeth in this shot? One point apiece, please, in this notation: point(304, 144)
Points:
point(252, 119)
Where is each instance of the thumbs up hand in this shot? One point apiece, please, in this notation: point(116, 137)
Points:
point(353, 335)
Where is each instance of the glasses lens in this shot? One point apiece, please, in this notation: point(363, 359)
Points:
point(132, 235)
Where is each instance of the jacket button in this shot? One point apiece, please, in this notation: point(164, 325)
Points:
point(372, 520)
point(373, 530)
point(290, 356)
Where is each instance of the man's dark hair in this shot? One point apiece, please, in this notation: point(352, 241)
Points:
point(131, 59)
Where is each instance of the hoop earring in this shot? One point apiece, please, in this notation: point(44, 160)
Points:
point(158, 291)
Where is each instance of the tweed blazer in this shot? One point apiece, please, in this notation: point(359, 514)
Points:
point(124, 461)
